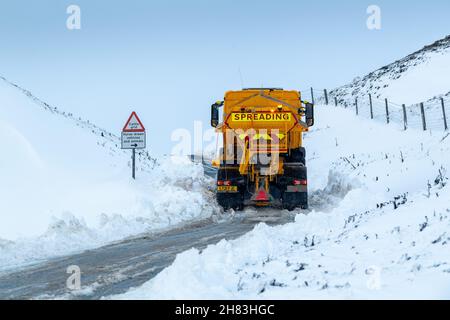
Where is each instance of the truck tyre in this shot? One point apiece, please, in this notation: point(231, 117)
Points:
point(298, 156)
point(230, 201)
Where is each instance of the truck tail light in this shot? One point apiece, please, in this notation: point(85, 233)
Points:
point(300, 182)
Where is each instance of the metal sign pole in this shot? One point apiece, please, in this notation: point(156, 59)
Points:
point(133, 174)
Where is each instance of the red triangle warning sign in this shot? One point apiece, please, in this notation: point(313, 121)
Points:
point(262, 195)
point(134, 124)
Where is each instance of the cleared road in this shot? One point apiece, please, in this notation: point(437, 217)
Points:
point(118, 267)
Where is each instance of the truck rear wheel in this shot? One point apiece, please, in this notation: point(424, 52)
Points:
point(292, 201)
point(296, 193)
point(298, 156)
point(233, 198)
point(230, 201)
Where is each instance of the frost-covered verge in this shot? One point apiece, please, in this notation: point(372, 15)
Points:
point(65, 184)
point(386, 234)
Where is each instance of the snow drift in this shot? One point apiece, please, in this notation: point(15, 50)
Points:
point(386, 237)
point(65, 184)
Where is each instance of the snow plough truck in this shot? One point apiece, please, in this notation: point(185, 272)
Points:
point(262, 161)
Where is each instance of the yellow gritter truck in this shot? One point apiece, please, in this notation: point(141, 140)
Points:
point(262, 162)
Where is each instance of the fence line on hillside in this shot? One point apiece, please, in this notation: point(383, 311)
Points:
point(431, 115)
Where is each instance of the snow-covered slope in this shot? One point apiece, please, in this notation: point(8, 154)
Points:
point(386, 235)
point(65, 183)
point(419, 77)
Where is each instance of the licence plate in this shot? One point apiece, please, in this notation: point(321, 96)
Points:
point(227, 189)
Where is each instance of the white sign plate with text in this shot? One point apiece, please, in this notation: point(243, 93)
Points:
point(133, 140)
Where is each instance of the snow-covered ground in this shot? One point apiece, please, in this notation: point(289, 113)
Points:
point(419, 77)
point(379, 226)
point(386, 236)
point(65, 184)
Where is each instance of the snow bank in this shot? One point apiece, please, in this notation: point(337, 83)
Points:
point(65, 184)
point(386, 237)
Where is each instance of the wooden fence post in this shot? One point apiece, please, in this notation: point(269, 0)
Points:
point(335, 102)
point(356, 105)
point(387, 111)
point(326, 96)
point(443, 113)
point(424, 122)
point(371, 106)
point(405, 118)
point(312, 96)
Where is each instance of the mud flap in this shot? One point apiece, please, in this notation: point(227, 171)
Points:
point(232, 199)
point(295, 196)
point(292, 201)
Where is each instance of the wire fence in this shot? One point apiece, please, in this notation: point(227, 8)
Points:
point(430, 115)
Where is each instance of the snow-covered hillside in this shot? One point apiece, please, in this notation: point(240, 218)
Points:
point(379, 226)
point(65, 184)
point(420, 77)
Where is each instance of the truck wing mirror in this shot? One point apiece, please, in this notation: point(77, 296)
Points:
point(215, 114)
point(309, 114)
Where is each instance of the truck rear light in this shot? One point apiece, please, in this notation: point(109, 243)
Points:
point(224, 183)
point(300, 182)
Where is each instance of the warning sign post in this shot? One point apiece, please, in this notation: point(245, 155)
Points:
point(133, 137)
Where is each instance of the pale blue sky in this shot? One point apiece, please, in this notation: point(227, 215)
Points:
point(168, 60)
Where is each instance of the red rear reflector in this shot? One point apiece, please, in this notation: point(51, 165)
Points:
point(227, 183)
point(220, 183)
point(300, 182)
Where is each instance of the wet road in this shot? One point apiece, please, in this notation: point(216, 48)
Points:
point(116, 268)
